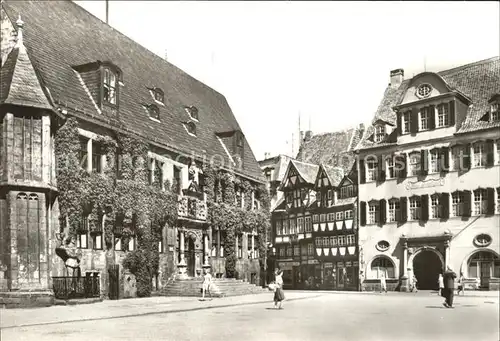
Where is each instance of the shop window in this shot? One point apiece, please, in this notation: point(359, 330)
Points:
point(382, 266)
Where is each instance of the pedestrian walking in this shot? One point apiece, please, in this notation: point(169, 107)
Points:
point(414, 284)
point(207, 281)
point(461, 284)
point(449, 287)
point(441, 284)
point(279, 294)
point(383, 283)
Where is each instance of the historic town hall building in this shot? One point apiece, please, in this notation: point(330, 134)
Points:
point(429, 174)
point(60, 63)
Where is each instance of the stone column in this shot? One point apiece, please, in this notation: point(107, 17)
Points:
point(446, 253)
point(206, 253)
point(182, 264)
point(404, 278)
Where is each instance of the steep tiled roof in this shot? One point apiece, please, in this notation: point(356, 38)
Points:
point(335, 174)
point(61, 34)
point(330, 148)
point(306, 170)
point(478, 81)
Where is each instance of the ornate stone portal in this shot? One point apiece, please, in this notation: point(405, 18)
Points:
point(193, 252)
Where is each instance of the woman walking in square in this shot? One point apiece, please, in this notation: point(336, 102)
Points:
point(279, 295)
point(207, 280)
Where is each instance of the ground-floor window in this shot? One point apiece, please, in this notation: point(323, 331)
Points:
point(382, 266)
point(483, 265)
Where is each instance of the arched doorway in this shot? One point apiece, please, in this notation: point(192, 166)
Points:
point(427, 266)
point(189, 255)
point(483, 265)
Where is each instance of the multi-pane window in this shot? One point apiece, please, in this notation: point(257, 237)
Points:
point(109, 86)
point(333, 241)
point(457, 204)
point(371, 170)
point(405, 122)
point(308, 224)
point(341, 240)
point(300, 225)
point(442, 115)
point(296, 250)
point(289, 250)
point(289, 197)
point(415, 208)
point(296, 198)
point(310, 249)
point(315, 218)
point(326, 242)
point(81, 240)
point(424, 118)
point(347, 191)
point(456, 156)
point(373, 213)
point(331, 216)
point(282, 252)
point(330, 194)
point(393, 210)
point(479, 155)
point(279, 228)
point(286, 229)
point(96, 157)
point(391, 172)
point(495, 112)
point(382, 267)
point(292, 226)
point(97, 241)
point(322, 217)
point(379, 133)
point(436, 207)
point(414, 163)
point(339, 216)
point(348, 214)
point(351, 240)
point(435, 167)
point(480, 201)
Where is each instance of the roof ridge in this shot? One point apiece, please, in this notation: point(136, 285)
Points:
point(142, 46)
point(462, 67)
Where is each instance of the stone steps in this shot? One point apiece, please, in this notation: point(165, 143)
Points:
point(219, 288)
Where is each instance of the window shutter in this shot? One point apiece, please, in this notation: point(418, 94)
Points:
point(444, 159)
point(451, 107)
point(423, 162)
point(362, 171)
point(424, 207)
point(466, 157)
point(381, 168)
point(467, 204)
point(432, 117)
point(383, 210)
point(445, 204)
point(403, 208)
point(403, 170)
point(362, 214)
point(490, 157)
point(414, 121)
point(491, 201)
point(398, 124)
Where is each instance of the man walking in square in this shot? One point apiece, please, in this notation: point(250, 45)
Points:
point(449, 287)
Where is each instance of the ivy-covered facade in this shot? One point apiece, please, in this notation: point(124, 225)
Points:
point(112, 162)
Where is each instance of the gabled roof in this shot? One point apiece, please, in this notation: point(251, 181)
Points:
point(331, 149)
point(334, 175)
point(477, 82)
point(306, 171)
point(278, 163)
point(61, 34)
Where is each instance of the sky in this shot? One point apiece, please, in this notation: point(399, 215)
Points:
point(325, 62)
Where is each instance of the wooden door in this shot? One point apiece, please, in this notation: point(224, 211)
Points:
point(485, 274)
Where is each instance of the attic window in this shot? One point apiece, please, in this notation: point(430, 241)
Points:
point(191, 128)
point(379, 132)
point(424, 90)
point(495, 112)
point(158, 95)
point(193, 112)
point(109, 86)
point(154, 112)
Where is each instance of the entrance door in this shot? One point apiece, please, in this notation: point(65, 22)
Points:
point(485, 274)
point(426, 268)
point(190, 259)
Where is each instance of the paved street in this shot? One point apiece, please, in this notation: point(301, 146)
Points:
point(306, 316)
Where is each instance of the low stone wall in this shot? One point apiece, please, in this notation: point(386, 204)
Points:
point(26, 299)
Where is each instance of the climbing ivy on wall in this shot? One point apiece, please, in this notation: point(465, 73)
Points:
point(122, 194)
point(226, 214)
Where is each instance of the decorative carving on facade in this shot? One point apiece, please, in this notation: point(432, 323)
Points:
point(429, 183)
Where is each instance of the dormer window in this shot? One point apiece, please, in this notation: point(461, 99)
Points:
point(379, 133)
point(193, 112)
point(158, 95)
point(154, 112)
point(495, 112)
point(191, 128)
point(109, 86)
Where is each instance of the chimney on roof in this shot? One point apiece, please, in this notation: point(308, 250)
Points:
point(397, 77)
point(308, 135)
